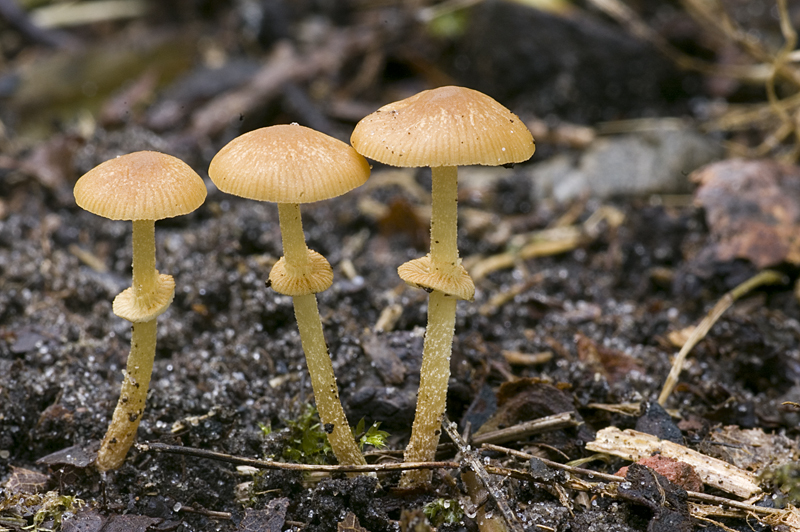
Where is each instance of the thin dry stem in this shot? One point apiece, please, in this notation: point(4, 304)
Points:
point(760, 279)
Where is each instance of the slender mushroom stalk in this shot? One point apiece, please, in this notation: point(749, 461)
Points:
point(441, 128)
point(444, 219)
point(289, 165)
point(435, 371)
point(320, 367)
point(121, 431)
point(144, 273)
point(141, 187)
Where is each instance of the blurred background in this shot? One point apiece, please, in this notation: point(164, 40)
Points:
point(82, 81)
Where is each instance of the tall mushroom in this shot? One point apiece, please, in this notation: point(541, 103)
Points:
point(289, 165)
point(441, 128)
point(142, 187)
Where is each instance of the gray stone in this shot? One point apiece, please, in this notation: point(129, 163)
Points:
point(650, 162)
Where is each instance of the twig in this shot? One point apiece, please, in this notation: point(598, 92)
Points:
point(16, 17)
point(721, 21)
point(722, 502)
point(556, 465)
point(475, 464)
point(762, 278)
point(284, 66)
point(523, 430)
point(269, 464)
point(626, 17)
point(208, 513)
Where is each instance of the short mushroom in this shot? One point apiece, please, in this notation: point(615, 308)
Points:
point(289, 165)
point(142, 187)
point(442, 128)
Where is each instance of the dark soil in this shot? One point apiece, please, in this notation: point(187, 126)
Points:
point(229, 358)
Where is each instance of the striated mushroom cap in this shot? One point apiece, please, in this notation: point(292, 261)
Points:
point(448, 126)
point(420, 274)
point(316, 277)
point(287, 164)
point(143, 185)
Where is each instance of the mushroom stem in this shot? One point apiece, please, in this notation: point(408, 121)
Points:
point(444, 219)
point(323, 381)
point(435, 371)
point(145, 275)
point(122, 430)
point(320, 368)
point(433, 378)
point(294, 241)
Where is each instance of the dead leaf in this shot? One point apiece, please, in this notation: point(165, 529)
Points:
point(75, 456)
point(612, 363)
point(752, 210)
point(350, 524)
point(269, 519)
point(527, 399)
point(26, 481)
point(751, 449)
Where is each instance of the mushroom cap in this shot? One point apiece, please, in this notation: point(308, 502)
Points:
point(448, 126)
point(144, 185)
point(317, 278)
point(126, 305)
point(287, 164)
point(420, 274)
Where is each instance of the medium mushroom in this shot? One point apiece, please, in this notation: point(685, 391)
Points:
point(142, 187)
point(289, 165)
point(442, 128)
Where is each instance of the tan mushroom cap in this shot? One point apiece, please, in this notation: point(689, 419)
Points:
point(287, 164)
point(448, 126)
point(144, 185)
point(127, 306)
point(419, 274)
point(319, 277)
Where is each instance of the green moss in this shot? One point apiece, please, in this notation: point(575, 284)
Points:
point(372, 436)
point(786, 478)
point(307, 441)
point(443, 511)
point(15, 510)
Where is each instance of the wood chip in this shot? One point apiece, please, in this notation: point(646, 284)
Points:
point(634, 445)
point(526, 359)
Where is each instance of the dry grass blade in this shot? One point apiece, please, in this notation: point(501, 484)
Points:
point(59, 15)
point(550, 241)
point(762, 278)
point(711, 15)
point(638, 27)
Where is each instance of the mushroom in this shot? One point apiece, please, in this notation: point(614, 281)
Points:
point(289, 165)
point(442, 128)
point(142, 187)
